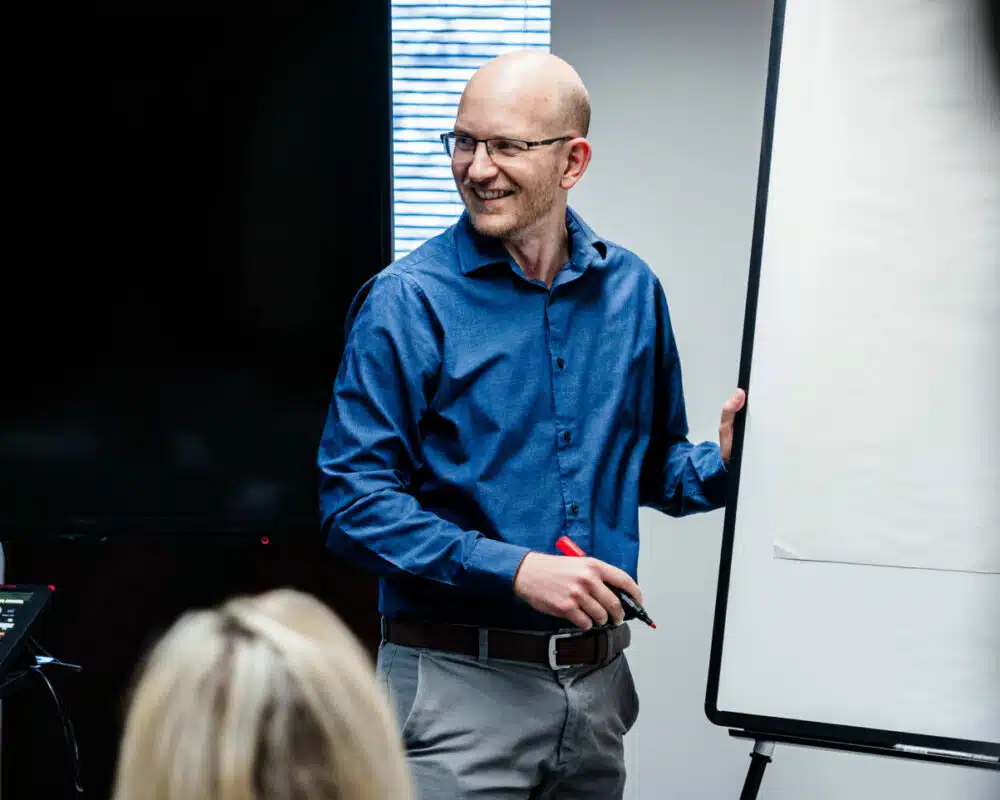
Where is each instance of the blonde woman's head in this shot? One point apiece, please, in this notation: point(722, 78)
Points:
point(265, 698)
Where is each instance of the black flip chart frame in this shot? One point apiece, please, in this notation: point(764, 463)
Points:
point(774, 729)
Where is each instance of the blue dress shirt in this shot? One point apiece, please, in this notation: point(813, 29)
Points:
point(478, 415)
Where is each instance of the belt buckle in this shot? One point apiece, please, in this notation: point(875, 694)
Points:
point(553, 638)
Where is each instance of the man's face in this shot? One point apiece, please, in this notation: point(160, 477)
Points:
point(508, 192)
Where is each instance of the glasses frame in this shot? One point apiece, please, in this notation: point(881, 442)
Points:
point(489, 149)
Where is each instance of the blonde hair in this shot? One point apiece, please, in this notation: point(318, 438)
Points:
point(264, 698)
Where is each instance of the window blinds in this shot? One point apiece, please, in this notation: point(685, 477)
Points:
point(435, 49)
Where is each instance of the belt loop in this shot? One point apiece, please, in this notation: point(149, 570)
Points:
point(604, 647)
point(484, 644)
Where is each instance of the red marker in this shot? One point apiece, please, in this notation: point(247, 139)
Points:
point(571, 548)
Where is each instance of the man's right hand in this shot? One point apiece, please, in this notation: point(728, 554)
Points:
point(573, 588)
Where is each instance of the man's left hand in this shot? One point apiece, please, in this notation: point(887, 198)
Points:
point(732, 405)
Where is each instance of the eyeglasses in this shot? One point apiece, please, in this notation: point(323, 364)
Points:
point(460, 147)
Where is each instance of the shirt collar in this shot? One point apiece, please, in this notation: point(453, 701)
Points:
point(475, 251)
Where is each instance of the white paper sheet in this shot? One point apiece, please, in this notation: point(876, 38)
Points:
point(878, 336)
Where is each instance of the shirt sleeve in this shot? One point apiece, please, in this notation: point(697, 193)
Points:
point(678, 477)
point(370, 450)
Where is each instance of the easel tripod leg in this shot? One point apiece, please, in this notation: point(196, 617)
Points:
point(759, 759)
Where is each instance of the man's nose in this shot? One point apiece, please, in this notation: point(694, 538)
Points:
point(481, 167)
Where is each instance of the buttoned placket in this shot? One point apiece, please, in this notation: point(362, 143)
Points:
point(565, 422)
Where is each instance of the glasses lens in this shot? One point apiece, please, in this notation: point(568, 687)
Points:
point(462, 147)
point(507, 148)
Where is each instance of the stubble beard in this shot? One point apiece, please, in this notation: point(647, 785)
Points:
point(530, 208)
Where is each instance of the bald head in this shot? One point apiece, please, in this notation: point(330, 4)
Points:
point(542, 85)
point(512, 193)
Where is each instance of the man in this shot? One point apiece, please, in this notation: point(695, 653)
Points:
point(513, 380)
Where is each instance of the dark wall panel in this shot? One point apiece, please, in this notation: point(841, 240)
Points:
point(191, 197)
point(191, 200)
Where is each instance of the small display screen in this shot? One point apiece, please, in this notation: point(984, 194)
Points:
point(19, 608)
point(12, 610)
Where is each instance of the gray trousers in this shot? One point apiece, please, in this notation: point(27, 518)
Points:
point(505, 730)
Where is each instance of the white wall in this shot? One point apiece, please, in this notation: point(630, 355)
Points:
point(677, 89)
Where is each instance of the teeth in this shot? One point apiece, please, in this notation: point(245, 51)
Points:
point(494, 195)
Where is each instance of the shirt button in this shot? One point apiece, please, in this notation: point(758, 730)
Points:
point(566, 437)
point(573, 509)
point(560, 363)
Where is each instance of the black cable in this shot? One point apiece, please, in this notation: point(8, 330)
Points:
point(39, 648)
point(12, 677)
point(46, 659)
point(67, 725)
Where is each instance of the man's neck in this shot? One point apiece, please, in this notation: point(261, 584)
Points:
point(542, 250)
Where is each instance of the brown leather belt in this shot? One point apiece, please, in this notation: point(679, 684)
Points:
point(596, 647)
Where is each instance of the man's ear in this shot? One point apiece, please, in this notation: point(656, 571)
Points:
point(578, 152)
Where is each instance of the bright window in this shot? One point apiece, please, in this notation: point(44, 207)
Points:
point(435, 49)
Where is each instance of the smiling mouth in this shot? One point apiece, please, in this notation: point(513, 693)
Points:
point(494, 194)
